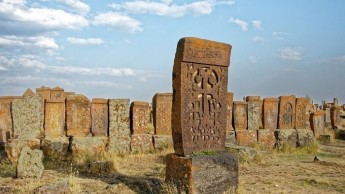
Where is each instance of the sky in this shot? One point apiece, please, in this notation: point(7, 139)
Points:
point(126, 49)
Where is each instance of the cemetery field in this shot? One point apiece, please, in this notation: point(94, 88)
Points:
point(274, 172)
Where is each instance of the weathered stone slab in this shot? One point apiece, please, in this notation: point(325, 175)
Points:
point(287, 112)
point(30, 163)
point(82, 145)
point(305, 137)
point(28, 92)
point(253, 112)
point(99, 117)
point(119, 117)
point(266, 137)
point(301, 109)
point(328, 122)
point(55, 147)
point(288, 136)
point(200, 77)
point(318, 123)
point(230, 101)
point(270, 113)
point(5, 122)
point(14, 146)
point(78, 121)
point(119, 144)
point(57, 187)
point(26, 115)
point(162, 141)
point(54, 118)
point(57, 93)
point(261, 111)
point(240, 115)
point(230, 137)
point(68, 93)
point(162, 104)
point(203, 174)
point(44, 93)
point(246, 137)
point(308, 112)
point(141, 142)
point(335, 117)
point(140, 117)
point(245, 154)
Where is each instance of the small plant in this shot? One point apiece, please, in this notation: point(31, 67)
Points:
point(204, 153)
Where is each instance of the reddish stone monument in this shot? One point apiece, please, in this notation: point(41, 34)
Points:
point(301, 109)
point(230, 100)
point(335, 116)
point(246, 137)
point(54, 124)
point(140, 117)
point(162, 103)
point(44, 93)
point(287, 112)
point(78, 113)
point(5, 123)
point(240, 115)
point(318, 123)
point(99, 117)
point(270, 113)
point(57, 93)
point(253, 112)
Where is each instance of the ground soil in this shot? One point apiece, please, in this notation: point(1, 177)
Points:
point(144, 173)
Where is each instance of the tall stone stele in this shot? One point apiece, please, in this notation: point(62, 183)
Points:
point(200, 76)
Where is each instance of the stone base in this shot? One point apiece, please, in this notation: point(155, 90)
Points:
point(30, 163)
point(230, 137)
point(246, 137)
point(288, 136)
point(142, 142)
point(266, 137)
point(245, 154)
point(86, 145)
point(55, 147)
point(162, 141)
point(304, 137)
point(203, 174)
point(14, 147)
point(119, 144)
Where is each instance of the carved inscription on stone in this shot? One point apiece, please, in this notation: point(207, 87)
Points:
point(253, 112)
point(162, 103)
point(54, 124)
point(240, 115)
point(301, 108)
point(287, 112)
point(230, 101)
point(270, 113)
point(200, 76)
point(78, 121)
point(57, 93)
point(140, 117)
point(99, 117)
point(119, 117)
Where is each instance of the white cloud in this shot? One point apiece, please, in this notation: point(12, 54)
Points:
point(334, 60)
point(279, 35)
point(118, 21)
point(106, 84)
point(257, 24)
point(81, 41)
point(252, 59)
point(127, 41)
point(290, 53)
point(2, 68)
point(39, 41)
point(258, 38)
point(165, 8)
point(77, 6)
point(60, 58)
point(239, 22)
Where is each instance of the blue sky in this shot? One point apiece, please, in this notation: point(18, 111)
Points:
point(126, 49)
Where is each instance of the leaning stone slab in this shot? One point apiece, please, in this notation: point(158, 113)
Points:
point(266, 137)
point(55, 147)
point(89, 145)
point(30, 163)
point(253, 112)
point(304, 137)
point(57, 187)
point(203, 174)
point(54, 125)
point(141, 142)
point(140, 116)
point(161, 105)
point(230, 137)
point(119, 117)
point(78, 115)
point(162, 141)
point(288, 136)
point(246, 137)
point(99, 117)
point(26, 115)
point(119, 144)
point(14, 146)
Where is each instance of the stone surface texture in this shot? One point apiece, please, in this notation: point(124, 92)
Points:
point(57, 93)
point(240, 115)
point(203, 174)
point(80, 145)
point(58, 187)
point(328, 122)
point(288, 136)
point(26, 113)
point(5, 122)
point(246, 154)
point(54, 125)
point(287, 112)
point(14, 146)
point(230, 137)
point(305, 137)
point(55, 147)
point(335, 116)
point(301, 109)
point(162, 141)
point(161, 105)
point(200, 79)
point(141, 142)
point(318, 123)
point(99, 117)
point(119, 144)
point(44, 93)
point(99, 167)
point(78, 115)
point(140, 117)
point(119, 117)
point(246, 137)
point(230, 101)
point(266, 137)
point(253, 112)
point(270, 120)
point(30, 164)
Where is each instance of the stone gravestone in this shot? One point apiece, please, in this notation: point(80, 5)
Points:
point(318, 123)
point(270, 113)
point(240, 115)
point(57, 93)
point(287, 112)
point(44, 93)
point(30, 163)
point(253, 112)
point(230, 101)
point(200, 76)
point(54, 124)
point(328, 122)
point(301, 109)
point(99, 117)
point(78, 115)
point(335, 116)
point(5, 123)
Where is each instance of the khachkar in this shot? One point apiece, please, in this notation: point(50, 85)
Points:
point(200, 76)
